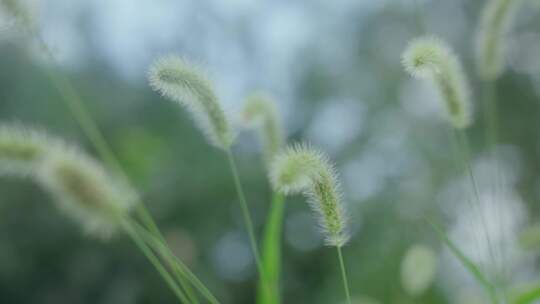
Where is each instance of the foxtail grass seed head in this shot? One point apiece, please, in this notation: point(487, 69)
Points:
point(495, 23)
point(85, 191)
point(431, 59)
point(301, 169)
point(21, 149)
point(260, 112)
point(418, 269)
point(186, 84)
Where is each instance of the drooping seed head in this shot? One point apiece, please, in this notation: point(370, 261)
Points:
point(431, 59)
point(418, 269)
point(302, 169)
point(84, 190)
point(295, 168)
point(186, 84)
point(260, 112)
point(21, 149)
point(495, 23)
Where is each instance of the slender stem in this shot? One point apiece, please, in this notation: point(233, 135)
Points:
point(491, 121)
point(155, 262)
point(179, 272)
point(458, 159)
point(344, 275)
point(271, 251)
point(247, 218)
point(465, 153)
point(75, 104)
point(161, 247)
point(466, 262)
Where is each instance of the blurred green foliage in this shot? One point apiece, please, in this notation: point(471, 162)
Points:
point(44, 258)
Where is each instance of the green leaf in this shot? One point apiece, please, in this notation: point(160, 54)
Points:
point(527, 295)
point(271, 253)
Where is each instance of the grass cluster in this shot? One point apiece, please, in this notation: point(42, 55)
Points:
point(98, 194)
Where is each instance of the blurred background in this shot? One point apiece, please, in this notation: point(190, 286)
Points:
point(334, 69)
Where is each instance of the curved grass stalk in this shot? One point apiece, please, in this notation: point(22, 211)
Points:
point(155, 262)
point(89, 127)
point(185, 84)
point(302, 169)
point(260, 113)
point(461, 138)
point(463, 145)
point(178, 267)
point(160, 246)
point(491, 123)
point(248, 221)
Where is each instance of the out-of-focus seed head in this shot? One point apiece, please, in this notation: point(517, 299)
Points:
point(295, 168)
point(21, 149)
point(431, 59)
point(186, 84)
point(260, 112)
point(425, 57)
point(301, 168)
point(418, 269)
point(84, 190)
point(495, 23)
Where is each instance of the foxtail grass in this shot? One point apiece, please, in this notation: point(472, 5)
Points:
point(431, 59)
point(186, 84)
point(491, 38)
point(21, 149)
point(75, 104)
point(260, 113)
point(85, 191)
point(302, 169)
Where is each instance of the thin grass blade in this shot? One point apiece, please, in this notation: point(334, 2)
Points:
point(466, 262)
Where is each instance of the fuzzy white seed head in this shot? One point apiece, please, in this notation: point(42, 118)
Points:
point(425, 56)
point(21, 149)
point(294, 169)
point(300, 168)
point(431, 59)
point(260, 112)
point(85, 191)
point(495, 23)
point(418, 269)
point(186, 84)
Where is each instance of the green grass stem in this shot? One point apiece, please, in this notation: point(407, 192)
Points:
point(466, 262)
point(155, 262)
point(344, 275)
point(271, 252)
